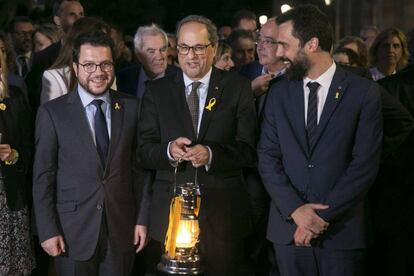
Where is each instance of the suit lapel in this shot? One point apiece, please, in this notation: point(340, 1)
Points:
point(117, 115)
point(77, 112)
point(296, 107)
point(215, 90)
point(335, 94)
point(180, 102)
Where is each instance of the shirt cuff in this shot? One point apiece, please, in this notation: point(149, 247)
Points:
point(207, 167)
point(170, 158)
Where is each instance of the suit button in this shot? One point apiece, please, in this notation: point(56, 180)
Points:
point(310, 166)
point(99, 206)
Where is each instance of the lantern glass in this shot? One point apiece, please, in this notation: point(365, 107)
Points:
point(187, 234)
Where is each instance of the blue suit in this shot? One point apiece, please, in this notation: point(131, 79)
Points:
point(337, 171)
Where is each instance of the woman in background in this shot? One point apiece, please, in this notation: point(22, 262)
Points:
point(223, 60)
point(44, 35)
point(388, 54)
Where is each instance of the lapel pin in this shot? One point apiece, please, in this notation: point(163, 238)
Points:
point(338, 93)
point(117, 106)
point(2, 106)
point(216, 87)
point(211, 103)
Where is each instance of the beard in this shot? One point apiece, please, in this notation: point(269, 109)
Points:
point(89, 87)
point(299, 67)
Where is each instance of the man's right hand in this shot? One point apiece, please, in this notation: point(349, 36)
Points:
point(177, 148)
point(261, 84)
point(306, 217)
point(54, 246)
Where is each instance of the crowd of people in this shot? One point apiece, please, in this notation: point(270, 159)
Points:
point(301, 147)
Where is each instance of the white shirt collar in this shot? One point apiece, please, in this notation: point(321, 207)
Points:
point(204, 80)
point(325, 79)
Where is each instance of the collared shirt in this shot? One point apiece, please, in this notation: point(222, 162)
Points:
point(90, 109)
point(324, 81)
point(265, 71)
point(142, 79)
point(377, 75)
point(202, 93)
point(28, 58)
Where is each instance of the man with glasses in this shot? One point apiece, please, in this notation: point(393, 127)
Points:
point(268, 70)
point(203, 123)
point(21, 32)
point(151, 46)
point(86, 180)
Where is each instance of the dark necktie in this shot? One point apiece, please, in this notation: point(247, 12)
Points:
point(193, 104)
point(23, 64)
point(312, 118)
point(101, 131)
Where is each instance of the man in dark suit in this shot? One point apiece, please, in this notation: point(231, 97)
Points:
point(263, 73)
point(392, 253)
point(202, 121)
point(151, 45)
point(86, 180)
point(319, 153)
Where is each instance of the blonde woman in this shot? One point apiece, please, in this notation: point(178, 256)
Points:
point(16, 255)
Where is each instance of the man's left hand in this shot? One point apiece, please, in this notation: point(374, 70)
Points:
point(198, 155)
point(303, 236)
point(140, 237)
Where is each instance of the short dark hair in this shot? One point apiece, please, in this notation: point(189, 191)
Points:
point(18, 19)
point(352, 56)
point(242, 14)
point(94, 38)
point(239, 33)
point(309, 21)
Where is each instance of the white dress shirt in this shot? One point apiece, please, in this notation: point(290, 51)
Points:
point(324, 81)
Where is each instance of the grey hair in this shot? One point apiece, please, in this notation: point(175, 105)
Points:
point(211, 27)
point(152, 30)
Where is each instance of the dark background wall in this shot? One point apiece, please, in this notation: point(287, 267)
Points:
point(347, 16)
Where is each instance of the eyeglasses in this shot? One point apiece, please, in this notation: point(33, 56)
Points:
point(198, 49)
point(267, 42)
point(90, 67)
point(24, 33)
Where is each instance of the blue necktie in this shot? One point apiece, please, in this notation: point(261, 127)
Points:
point(101, 132)
point(312, 118)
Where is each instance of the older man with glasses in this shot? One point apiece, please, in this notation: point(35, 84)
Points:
point(203, 123)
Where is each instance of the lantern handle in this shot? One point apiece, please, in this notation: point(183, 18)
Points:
point(175, 176)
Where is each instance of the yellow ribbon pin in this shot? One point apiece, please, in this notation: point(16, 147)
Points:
point(211, 103)
point(2, 106)
point(337, 95)
point(117, 106)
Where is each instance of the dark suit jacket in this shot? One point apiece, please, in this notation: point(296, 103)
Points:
point(41, 61)
point(337, 171)
point(127, 79)
point(252, 71)
point(72, 191)
point(228, 129)
point(17, 130)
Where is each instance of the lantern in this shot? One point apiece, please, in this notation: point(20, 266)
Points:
point(181, 254)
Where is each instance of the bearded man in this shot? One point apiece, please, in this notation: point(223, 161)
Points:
point(319, 153)
point(86, 179)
